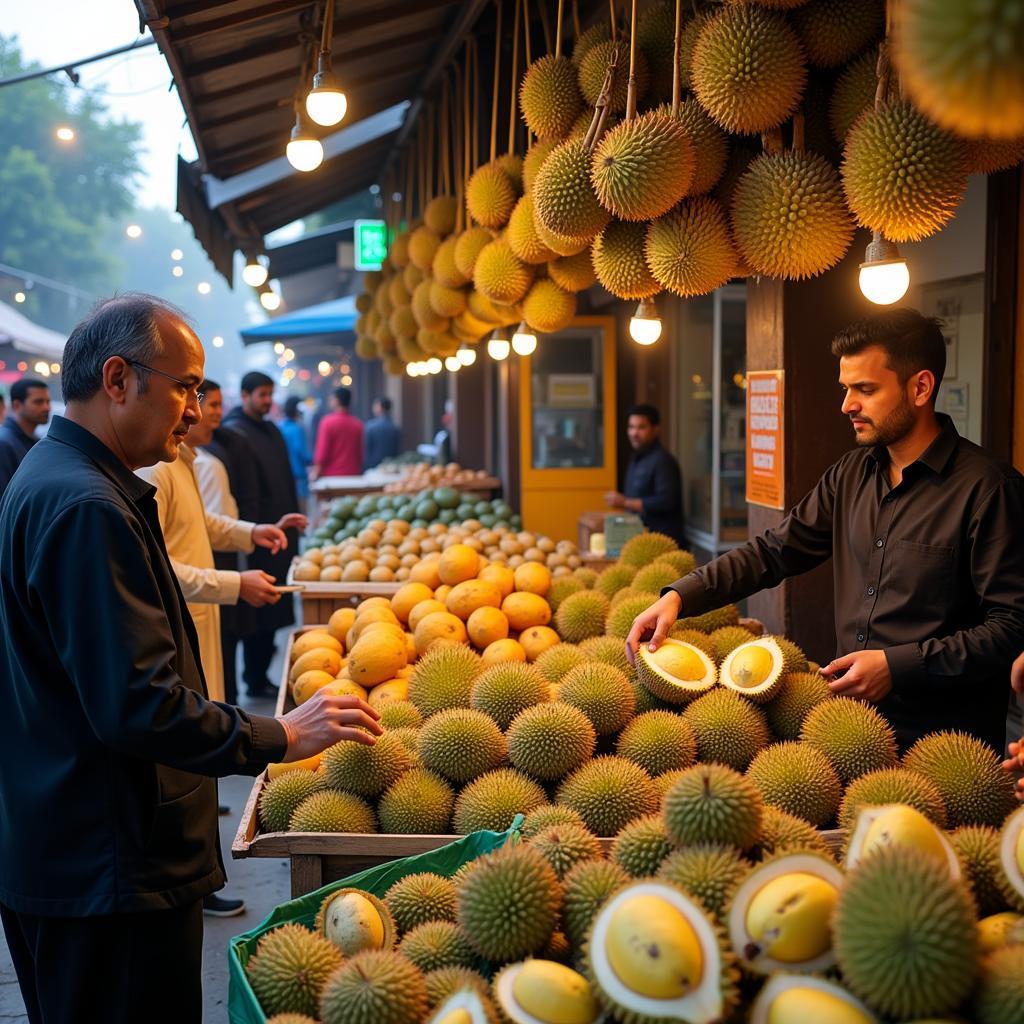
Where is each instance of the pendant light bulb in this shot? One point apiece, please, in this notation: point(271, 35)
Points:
point(452, 364)
point(326, 102)
point(269, 299)
point(434, 365)
point(498, 347)
point(645, 326)
point(884, 275)
point(466, 355)
point(304, 151)
point(524, 341)
point(413, 369)
point(254, 273)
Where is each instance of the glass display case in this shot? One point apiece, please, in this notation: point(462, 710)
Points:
point(710, 425)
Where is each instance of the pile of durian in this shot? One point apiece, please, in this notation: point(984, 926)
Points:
point(776, 150)
point(719, 908)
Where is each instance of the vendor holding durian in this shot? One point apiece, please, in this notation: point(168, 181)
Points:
point(923, 528)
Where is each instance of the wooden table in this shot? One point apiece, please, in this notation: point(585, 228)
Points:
point(320, 601)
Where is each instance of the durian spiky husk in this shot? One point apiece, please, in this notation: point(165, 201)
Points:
point(833, 31)
point(522, 235)
point(689, 250)
point(423, 310)
point(854, 93)
point(439, 214)
point(619, 263)
point(748, 69)
point(483, 309)
point(960, 62)
point(446, 302)
point(573, 273)
point(393, 366)
point(594, 65)
point(564, 245)
point(987, 156)
point(402, 322)
point(468, 247)
point(548, 308)
point(423, 246)
point(500, 275)
point(710, 144)
point(443, 268)
point(564, 195)
point(902, 175)
point(398, 257)
point(289, 969)
point(490, 197)
point(642, 168)
point(789, 217)
point(549, 97)
point(535, 156)
point(588, 39)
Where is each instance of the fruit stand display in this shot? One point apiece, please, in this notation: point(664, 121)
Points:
point(475, 484)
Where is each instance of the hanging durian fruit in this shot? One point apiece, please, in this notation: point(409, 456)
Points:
point(548, 308)
point(833, 31)
point(655, 35)
point(468, 247)
point(748, 69)
point(490, 196)
point(549, 97)
point(689, 250)
point(573, 273)
point(564, 196)
point(710, 144)
point(854, 92)
point(587, 40)
point(619, 263)
point(535, 156)
point(443, 268)
point(423, 246)
point(961, 63)
point(594, 66)
point(500, 274)
point(399, 254)
point(986, 156)
point(564, 245)
point(903, 176)
point(522, 235)
point(439, 214)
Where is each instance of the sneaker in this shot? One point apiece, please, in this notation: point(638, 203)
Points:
point(223, 809)
point(216, 906)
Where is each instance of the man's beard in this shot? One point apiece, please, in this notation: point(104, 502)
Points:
point(893, 428)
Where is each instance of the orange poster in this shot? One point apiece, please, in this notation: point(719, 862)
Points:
point(765, 438)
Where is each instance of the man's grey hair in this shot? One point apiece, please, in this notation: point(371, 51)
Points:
point(126, 325)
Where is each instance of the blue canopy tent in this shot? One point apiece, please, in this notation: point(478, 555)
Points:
point(332, 317)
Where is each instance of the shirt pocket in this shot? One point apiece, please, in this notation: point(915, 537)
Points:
point(921, 573)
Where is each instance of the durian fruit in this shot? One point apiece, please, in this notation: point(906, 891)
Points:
point(282, 795)
point(548, 741)
point(443, 678)
point(778, 918)
point(434, 945)
point(709, 142)
point(505, 689)
point(331, 811)
point(393, 366)
point(419, 803)
point(615, 577)
point(711, 803)
point(998, 930)
point(512, 165)
point(490, 198)
point(655, 37)
point(833, 31)
point(470, 1005)
point(365, 770)
point(977, 847)
point(402, 322)
point(556, 661)
point(538, 990)
point(646, 701)
point(755, 669)
point(381, 987)
point(710, 872)
point(400, 714)
point(535, 156)
point(798, 779)
point(608, 649)
point(446, 985)
point(903, 176)
point(726, 640)
point(619, 262)
point(881, 827)
point(289, 968)
point(905, 936)
point(493, 800)
point(447, 302)
point(987, 156)
point(608, 793)
point(419, 898)
point(290, 1018)
point(656, 576)
point(483, 309)
point(548, 308)
point(398, 255)
point(653, 953)
point(960, 64)
point(781, 832)
point(789, 217)
point(469, 246)
point(690, 250)
point(1011, 855)
point(587, 40)
point(461, 744)
point(564, 196)
point(798, 693)
point(549, 97)
point(581, 616)
point(602, 693)
point(423, 246)
point(708, 622)
point(641, 846)
point(411, 277)
point(397, 292)
point(677, 672)
point(354, 920)
point(999, 998)
point(793, 998)
point(500, 275)
point(620, 618)
point(642, 168)
point(444, 270)
point(729, 729)
point(565, 846)
point(966, 771)
point(587, 887)
point(564, 245)
point(658, 741)
point(852, 735)
point(411, 738)
point(439, 214)
point(892, 786)
point(682, 561)
point(592, 70)
point(547, 815)
point(522, 236)
point(573, 273)
point(508, 903)
point(748, 70)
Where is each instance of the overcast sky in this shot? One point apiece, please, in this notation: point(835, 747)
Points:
point(59, 31)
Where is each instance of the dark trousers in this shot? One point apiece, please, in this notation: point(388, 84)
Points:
point(229, 655)
point(258, 651)
point(114, 968)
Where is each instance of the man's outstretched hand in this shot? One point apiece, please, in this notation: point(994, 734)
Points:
point(652, 626)
point(324, 720)
point(862, 674)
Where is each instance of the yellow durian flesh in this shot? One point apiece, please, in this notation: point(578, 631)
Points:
point(789, 917)
point(353, 924)
point(751, 666)
point(903, 826)
point(679, 662)
point(801, 1005)
point(994, 930)
point(553, 993)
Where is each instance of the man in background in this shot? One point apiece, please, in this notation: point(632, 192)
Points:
point(30, 408)
point(339, 441)
point(275, 498)
point(294, 433)
point(382, 438)
point(654, 484)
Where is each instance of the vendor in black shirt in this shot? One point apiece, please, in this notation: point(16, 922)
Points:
point(654, 485)
point(924, 530)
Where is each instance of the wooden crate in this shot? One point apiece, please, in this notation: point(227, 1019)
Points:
point(317, 858)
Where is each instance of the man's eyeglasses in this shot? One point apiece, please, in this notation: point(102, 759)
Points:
point(187, 387)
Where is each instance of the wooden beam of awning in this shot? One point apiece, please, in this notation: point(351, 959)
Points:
point(232, 21)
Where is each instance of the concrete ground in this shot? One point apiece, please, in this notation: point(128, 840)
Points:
point(262, 883)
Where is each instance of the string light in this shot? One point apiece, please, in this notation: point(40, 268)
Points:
point(884, 275)
point(177, 271)
point(218, 341)
point(323, 368)
point(204, 288)
point(269, 299)
point(346, 380)
point(498, 347)
point(176, 254)
point(434, 365)
point(133, 231)
point(452, 364)
point(326, 102)
point(254, 273)
point(466, 355)
point(279, 347)
point(19, 296)
point(524, 341)
point(304, 151)
point(645, 325)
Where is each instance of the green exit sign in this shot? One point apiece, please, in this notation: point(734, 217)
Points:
point(371, 244)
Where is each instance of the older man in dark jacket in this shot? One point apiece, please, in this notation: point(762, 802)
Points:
point(108, 804)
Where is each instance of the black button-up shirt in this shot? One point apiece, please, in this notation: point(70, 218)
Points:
point(653, 476)
point(930, 571)
point(15, 444)
point(110, 746)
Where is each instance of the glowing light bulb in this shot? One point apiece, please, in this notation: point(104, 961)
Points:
point(645, 326)
point(466, 355)
point(178, 271)
point(279, 347)
point(254, 273)
point(434, 365)
point(65, 133)
point(177, 254)
point(413, 369)
point(884, 275)
point(346, 380)
point(270, 300)
point(304, 151)
point(218, 341)
point(326, 102)
point(524, 341)
point(20, 296)
point(497, 347)
point(452, 364)
point(204, 288)
point(133, 231)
